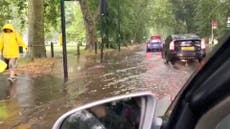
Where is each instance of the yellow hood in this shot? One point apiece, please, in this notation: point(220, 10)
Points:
point(9, 43)
point(8, 26)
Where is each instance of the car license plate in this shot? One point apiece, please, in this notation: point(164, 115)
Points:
point(188, 48)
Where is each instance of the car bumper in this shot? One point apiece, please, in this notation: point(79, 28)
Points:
point(189, 55)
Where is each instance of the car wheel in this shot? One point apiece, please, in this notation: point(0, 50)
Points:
point(172, 62)
point(166, 60)
point(200, 60)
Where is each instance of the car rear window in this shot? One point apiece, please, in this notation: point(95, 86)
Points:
point(185, 36)
point(187, 42)
point(155, 41)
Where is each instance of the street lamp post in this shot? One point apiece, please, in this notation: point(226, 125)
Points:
point(103, 4)
point(65, 65)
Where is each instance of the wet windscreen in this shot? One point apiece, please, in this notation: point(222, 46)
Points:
point(124, 114)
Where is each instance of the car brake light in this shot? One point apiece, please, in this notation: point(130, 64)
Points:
point(172, 46)
point(203, 46)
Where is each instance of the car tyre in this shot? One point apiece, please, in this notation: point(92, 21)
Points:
point(172, 62)
point(166, 61)
point(200, 60)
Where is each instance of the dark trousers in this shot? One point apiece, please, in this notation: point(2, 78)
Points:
point(7, 62)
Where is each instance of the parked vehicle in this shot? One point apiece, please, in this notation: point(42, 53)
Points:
point(154, 44)
point(203, 103)
point(183, 47)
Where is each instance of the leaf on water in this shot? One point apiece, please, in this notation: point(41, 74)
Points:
point(39, 67)
point(23, 126)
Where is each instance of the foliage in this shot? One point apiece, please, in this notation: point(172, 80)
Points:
point(139, 19)
point(184, 11)
point(162, 18)
point(14, 12)
point(75, 25)
point(208, 10)
point(52, 14)
point(133, 16)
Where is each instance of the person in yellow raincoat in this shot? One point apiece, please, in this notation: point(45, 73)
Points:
point(10, 41)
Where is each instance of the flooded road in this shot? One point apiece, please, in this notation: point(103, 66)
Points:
point(35, 103)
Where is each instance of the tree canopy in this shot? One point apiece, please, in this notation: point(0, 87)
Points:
point(138, 19)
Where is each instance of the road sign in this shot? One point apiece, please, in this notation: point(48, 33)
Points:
point(214, 24)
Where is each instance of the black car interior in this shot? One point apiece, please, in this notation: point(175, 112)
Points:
point(216, 118)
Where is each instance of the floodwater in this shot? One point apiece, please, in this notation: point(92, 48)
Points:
point(35, 103)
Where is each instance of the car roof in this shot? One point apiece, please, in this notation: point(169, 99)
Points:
point(184, 36)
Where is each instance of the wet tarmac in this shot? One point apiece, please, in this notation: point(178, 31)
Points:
point(35, 103)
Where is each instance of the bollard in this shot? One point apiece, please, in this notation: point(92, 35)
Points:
point(52, 49)
point(20, 49)
point(78, 49)
point(96, 48)
point(102, 50)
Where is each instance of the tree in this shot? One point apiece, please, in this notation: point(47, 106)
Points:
point(208, 10)
point(91, 11)
point(36, 28)
point(184, 12)
point(75, 27)
point(52, 13)
point(14, 12)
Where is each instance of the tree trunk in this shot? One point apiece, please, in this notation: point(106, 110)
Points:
point(36, 28)
point(90, 24)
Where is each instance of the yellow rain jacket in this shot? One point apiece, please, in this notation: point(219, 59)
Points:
point(10, 42)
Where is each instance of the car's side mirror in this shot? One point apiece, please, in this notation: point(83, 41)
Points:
point(133, 111)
